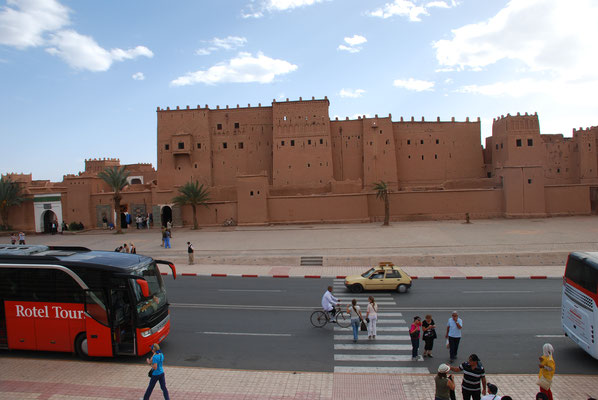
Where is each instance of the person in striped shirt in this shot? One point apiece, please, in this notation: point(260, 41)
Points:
point(473, 374)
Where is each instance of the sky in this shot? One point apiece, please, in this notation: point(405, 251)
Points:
point(83, 79)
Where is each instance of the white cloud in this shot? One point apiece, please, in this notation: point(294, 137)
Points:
point(414, 84)
point(557, 49)
point(244, 68)
point(353, 43)
point(35, 23)
point(23, 23)
point(82, 52)
point(227, 43)
point(138, 76)
point(409, 8)
point(351, 93)
point(254, 10)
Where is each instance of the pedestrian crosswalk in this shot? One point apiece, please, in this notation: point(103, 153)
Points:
point(389, 353)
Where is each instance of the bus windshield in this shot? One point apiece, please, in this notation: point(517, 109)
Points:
point(146, 307)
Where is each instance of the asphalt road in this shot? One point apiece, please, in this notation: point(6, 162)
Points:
point(263, 323)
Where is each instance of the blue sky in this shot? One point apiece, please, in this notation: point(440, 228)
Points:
point(82, 79)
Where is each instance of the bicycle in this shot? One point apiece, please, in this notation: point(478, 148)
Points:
point(320, 318)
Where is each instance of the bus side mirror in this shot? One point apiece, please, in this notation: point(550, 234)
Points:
point(144, 287)
point(173, 269)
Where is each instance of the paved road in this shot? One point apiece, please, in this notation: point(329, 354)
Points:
point(263, 323)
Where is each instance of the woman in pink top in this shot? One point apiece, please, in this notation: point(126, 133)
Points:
point(414, 333)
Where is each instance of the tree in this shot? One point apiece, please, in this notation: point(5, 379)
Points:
point(194, 194)
point(116, 178)
point(10, 195)
point(382, 191)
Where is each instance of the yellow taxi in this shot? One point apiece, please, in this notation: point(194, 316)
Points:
point(386, 276)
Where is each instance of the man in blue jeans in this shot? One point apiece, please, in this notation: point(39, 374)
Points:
point(453, 334)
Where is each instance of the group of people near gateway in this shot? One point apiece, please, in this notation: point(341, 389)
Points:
point(474, 384)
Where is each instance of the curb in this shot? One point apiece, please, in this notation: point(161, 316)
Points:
point(437, 277)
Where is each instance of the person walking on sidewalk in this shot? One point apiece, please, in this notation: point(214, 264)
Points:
point(453, 334)
point(473, 375)
point(547, 367)
point(156, 362)
point(429, 329)
point(371, 317)
point(355, 313)
point(444, 383)
point(414, 333)
point(190, 253)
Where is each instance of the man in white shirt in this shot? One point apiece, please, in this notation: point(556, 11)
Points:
point(453, 334)
point(328, 303)
point(492, 390)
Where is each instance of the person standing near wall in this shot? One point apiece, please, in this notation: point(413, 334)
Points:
point(21, 237)
point(190, 253)
point(167, 239)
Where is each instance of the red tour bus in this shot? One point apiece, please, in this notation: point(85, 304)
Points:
point(72, 299)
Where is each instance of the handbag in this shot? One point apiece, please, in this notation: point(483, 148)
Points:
point(544, 383)
point(150, 373)
point(363, 326)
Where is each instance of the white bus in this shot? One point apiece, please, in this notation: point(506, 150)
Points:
point(579, 313)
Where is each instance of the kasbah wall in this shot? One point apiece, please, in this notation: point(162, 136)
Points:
point(289, 163)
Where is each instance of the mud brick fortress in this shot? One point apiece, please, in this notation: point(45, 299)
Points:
point(288, 162)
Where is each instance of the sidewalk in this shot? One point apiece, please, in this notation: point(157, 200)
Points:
point(25, 379)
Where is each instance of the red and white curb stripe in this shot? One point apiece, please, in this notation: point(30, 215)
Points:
point(344, 276)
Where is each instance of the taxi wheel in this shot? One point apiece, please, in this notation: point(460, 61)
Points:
point(356, 288)
point(402, 288)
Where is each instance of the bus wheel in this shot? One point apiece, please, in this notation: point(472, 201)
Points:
point(81, 345)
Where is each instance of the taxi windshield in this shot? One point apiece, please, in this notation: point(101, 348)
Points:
point(368, 273)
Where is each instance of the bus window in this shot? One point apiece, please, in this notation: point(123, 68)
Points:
point(582, 274)
point(95, 306)
point(147, 307)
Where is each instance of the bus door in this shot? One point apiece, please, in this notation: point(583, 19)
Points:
point(123, 332)
point(97, 326)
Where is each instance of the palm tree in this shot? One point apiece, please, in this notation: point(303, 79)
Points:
point(116, 178)
point(10, 195)
point(194, 194)
point(381, 189)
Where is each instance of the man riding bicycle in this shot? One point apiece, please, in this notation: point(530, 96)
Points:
point(329, 302)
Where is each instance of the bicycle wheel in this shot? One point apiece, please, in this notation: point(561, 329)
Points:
point(318, 319)
point(342, 319)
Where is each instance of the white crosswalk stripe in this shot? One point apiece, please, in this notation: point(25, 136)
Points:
point(389, 353)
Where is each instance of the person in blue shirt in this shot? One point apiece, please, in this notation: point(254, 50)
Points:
point(156, 362)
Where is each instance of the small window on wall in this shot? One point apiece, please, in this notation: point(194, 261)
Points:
point(236, 125)
point(199, 145)
point(166, 147)
point(181, 145)
point(437, 141)
point(496, 146)
point(501, 146)
point(518, 141)
point(529, 181)
point(251, 193)
point(408, 141)
point(282, 142)
point(224, 145)
point(308, 165)
point(489, 174)
point(321, 141)
point(422, 157)
point(558, 170)
point(421, 142)
point(240, 145)
point(292, 142)
point(530, 142)
point(436, 156)
point(219, 127)
point(308, 140)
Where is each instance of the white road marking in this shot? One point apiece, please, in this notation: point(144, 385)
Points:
point(551, 336)
point(368, 346)
point(382, 370)
point(246, 334)
point(373, 357)
point(383, 314)
point(251, 290)
point(378, 337)
point(390, 321)
point(381, 328)
point(497, 291)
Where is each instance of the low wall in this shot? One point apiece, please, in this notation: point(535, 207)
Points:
point(567, 200)
point(328, 208)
